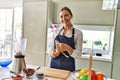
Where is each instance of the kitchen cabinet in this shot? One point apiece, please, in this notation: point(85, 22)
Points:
point(34, 29)
point(84, 12)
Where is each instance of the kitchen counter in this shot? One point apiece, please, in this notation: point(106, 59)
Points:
point(100, 58)
point(5, 73)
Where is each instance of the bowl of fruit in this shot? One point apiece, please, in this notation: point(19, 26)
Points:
point(82, 74)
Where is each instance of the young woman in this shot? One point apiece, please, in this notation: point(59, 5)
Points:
point(67, 43)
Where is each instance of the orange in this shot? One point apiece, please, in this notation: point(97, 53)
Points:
point(100, 76)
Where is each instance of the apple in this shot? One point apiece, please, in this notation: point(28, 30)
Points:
point(93, 75)
point(84, 77)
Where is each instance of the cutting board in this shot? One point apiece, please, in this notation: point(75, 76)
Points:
point(54, 73)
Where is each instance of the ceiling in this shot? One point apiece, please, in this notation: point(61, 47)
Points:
point(10, 3)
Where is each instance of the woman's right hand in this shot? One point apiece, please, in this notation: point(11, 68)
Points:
point(54, 54)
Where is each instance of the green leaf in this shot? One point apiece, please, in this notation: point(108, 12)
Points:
point(97, 42)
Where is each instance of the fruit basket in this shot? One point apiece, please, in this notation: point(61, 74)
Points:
point(76, 73)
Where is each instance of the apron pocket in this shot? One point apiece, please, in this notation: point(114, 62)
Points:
point(68, 64)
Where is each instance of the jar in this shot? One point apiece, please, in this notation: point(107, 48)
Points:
point(40, 76)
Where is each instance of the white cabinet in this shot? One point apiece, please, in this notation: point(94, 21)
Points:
point(84, 12)
point(34, 29)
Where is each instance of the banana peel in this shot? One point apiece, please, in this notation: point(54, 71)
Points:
point(57, 42)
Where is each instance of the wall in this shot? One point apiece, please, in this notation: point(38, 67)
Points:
point(116, 50)
point(34, 29)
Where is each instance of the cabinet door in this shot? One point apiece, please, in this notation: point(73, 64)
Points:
point(34, 29)
point(85, 12)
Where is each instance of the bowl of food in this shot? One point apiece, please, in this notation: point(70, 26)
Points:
point(29, 71)
point(17, 77)
point(40, 76)
point(82, 74)
point(5, 62)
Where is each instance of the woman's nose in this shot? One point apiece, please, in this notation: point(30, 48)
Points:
point(64, 18)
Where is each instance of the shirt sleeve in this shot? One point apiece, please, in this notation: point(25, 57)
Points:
point(78, 36)
point(52, 33)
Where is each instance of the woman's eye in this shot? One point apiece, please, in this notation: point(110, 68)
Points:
point(61, 16)
point(66, 15)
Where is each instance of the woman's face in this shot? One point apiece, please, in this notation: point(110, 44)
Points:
point(65, 17)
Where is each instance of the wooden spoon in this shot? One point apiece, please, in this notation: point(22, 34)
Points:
point(90, 67)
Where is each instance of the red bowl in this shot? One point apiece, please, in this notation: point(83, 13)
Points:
point(17, 77)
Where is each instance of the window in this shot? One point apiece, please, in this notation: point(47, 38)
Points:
point(10, 28)
point(97, 39)
point(109, 4)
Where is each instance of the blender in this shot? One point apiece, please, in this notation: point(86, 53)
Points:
point(19, 57)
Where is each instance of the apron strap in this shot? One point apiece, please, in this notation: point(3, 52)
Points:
point(73, 31)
